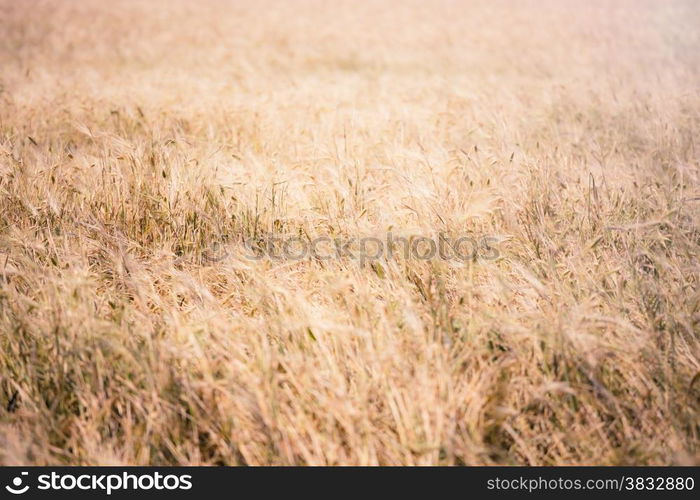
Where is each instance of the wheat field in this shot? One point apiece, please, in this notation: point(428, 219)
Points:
point(145, 144)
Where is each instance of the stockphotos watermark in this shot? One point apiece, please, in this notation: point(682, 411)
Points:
point(365, 249)
point(102, 483)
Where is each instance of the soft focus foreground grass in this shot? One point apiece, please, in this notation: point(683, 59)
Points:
point(135, 135)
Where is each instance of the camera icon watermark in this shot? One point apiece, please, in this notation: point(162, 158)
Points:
point(16, 488)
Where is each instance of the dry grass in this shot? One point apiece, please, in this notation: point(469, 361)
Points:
point(134, 135)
